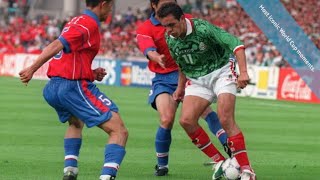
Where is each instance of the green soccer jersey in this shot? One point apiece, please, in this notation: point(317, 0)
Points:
point(205, 48)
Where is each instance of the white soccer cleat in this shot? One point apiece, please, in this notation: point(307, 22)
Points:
point(70, 173)
point(247, 175)
point(217, 170)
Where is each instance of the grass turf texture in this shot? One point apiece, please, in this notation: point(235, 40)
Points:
point(282, 138)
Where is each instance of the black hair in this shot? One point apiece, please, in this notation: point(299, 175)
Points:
point(156, 2)
point(170, 8)
point(94, 3)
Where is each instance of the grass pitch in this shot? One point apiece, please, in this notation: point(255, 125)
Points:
point(282, 138)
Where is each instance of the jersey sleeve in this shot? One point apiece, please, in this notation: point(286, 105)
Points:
point(224, 38)
point(76, 35)
point(145, 40)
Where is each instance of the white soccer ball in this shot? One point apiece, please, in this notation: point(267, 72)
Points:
point(231, 169)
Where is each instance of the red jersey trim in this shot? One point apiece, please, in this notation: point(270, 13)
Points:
point(92, 98)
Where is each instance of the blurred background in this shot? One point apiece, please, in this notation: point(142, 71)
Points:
point(29, 25)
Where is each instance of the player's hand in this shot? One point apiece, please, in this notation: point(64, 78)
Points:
point(161, 59)
point(243, 80)
point(26, 75)
point(99, 73)
point(178, 94)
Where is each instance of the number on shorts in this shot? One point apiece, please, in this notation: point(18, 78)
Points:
point(105, 100)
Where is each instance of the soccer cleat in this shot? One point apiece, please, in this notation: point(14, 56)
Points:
point(161, 171)
point(227, 149)
point(217, 170)
point(107, 177)
point(248, 175)
point(69, 175)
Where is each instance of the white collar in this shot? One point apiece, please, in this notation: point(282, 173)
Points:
point(189, 27)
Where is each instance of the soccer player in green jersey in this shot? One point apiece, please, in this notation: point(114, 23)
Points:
point(203, 53)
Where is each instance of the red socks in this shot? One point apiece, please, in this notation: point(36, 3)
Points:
point(201, 139)
point(237, 145)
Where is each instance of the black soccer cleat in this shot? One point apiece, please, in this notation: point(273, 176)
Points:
point(227, 149)
point(69, 175)
point(163, 171)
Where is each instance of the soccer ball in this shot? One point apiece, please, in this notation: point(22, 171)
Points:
point(231, 169)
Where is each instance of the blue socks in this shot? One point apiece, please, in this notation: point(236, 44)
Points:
point(162, 144)
point(114, 155)
point(71, 151)
point(215, 127)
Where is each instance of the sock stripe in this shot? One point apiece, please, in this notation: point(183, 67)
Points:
point(205, 146)
point(220, 132)
point(238, 152)
point(70, 157)
point(111, 165)
point(165, 154)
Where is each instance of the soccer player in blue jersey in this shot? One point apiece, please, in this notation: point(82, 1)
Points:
point(73, 95)
point(202, 52)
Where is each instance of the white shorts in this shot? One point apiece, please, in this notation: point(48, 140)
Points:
point(223, 80)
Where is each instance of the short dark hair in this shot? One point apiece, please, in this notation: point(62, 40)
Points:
point(94, 3)
point(156, 2)
point(170, 8)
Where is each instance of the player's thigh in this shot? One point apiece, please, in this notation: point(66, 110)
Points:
point(226, 89)
point(226, 110)
point(226, 107)
point(114, 125)
point(75, 122)
point(116, 129)
point(194, 104)
point(159, 87)
point(166, 107)
point(74, 129)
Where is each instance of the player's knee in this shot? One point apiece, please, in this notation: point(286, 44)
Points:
point(121, 132)
point(167, 120)
point(227, 122)
point(124, 132)
point(186, 122)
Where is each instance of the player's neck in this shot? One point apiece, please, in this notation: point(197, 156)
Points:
point(184, 31)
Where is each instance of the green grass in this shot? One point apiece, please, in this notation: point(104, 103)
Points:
point(282, 138)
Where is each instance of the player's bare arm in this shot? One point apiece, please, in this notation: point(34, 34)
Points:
point(179, 93)
point(159, 58)
point(243, 78)
point(52, 49)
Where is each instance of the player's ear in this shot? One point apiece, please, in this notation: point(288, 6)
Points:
point(103, 3)
point(182, 17)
